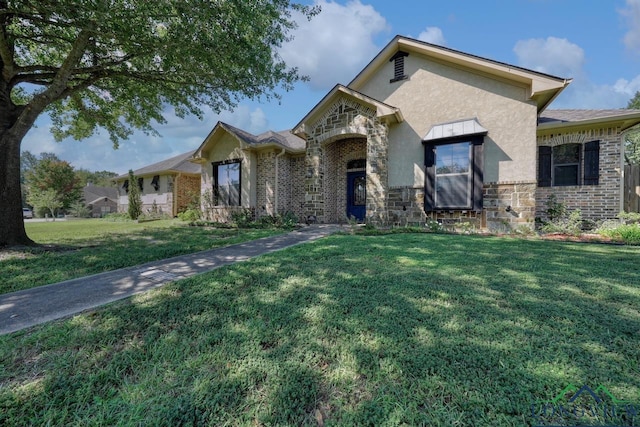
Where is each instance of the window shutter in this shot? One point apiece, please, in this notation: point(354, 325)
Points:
point(544, 166)
point(429, 177)
point(592, 163)
point(478, 177)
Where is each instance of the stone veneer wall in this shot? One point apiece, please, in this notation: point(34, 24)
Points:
point(406, 207)
point(339, 153)
point(346, 119)
point(602, 201)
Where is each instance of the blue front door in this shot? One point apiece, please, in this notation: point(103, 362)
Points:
point(356, 195)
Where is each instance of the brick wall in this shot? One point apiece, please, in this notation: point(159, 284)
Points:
point(265, 182)
point(595, 201)
point(187, 187)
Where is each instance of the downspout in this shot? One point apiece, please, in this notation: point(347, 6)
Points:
point(275, 198)
point(623, 136)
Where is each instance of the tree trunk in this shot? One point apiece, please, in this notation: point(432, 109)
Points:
point(12, 230)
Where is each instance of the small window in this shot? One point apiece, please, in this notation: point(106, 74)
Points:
point(398, 66)
point(359, 191)
point(155, 182)
point(125, 185)
point(566, 164)
point(141, 184)
point(226, 185)
point(357, 164)
point(569, 164)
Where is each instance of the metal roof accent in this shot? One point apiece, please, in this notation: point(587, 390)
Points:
point(455, 129)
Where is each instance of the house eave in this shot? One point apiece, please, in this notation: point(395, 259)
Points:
point(544, 88)
point(625, 122)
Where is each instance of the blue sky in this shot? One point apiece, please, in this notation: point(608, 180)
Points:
point(596, 42)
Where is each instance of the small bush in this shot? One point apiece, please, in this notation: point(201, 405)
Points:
point(243, 218)
point(434, 226)
point(190, 215)
point(627, 233)
point(117, 217)
point(571, 224)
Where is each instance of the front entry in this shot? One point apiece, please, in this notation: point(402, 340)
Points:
point(356, 195)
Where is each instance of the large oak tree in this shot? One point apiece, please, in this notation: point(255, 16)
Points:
point(117, 64)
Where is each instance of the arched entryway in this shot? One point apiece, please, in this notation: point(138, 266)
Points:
point(345, 170)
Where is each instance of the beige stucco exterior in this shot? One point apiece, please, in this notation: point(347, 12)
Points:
point(227, 147)
point(436, 93)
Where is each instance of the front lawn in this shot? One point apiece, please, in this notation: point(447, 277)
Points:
point(405, 329)
point(84, 247)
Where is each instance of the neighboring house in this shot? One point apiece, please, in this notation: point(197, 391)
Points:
point(422, 133)
point(100, 200)
point(167, 187)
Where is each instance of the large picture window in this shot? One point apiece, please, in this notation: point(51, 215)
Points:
point(453, 174)
point(453, 177)
point(226, 185)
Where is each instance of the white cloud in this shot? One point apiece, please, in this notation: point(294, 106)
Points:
point(433, 35)
point(632, 16)
point(552, 55)
point(565, 59)
point(336, 44)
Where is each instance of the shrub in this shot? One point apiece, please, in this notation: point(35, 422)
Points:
point(190, 215)
point(243, 218)
point(627, 233)
point(117, 217)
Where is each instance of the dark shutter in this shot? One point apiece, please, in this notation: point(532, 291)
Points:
point(592, 163)
point(478, 176)
point(544, 166)
point(429, 177)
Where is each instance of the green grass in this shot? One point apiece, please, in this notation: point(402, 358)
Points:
point(95, 246)
point(405, 329)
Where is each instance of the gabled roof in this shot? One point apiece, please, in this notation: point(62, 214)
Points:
point(544, 87)
point(384, 112)
point(282, 139)
point(93, 193)
point(554, 119)
point(176, 164)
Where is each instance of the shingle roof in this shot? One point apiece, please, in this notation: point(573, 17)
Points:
point(92, 193)
point(284, 138)
point(565, 116)
point(179, 163)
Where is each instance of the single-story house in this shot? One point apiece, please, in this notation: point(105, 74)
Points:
point(423, 133)
point(166, 187)
point(100, 200)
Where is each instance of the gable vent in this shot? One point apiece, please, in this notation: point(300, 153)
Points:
point(398, 67)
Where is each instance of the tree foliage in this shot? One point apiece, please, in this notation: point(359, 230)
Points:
point(45, 200)
point(118, 64)
point(56, 175)
point(135, 201)
point(632, 141)
point(99, 178)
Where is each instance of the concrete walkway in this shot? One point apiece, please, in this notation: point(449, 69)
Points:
point(23, 309)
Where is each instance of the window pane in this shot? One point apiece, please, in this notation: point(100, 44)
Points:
point(565, 175)
point(359, 191)
point(452, 158)
point(567, 153)
point(229, 184)
point(452, 191)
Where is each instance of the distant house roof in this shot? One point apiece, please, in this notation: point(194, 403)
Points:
point(179, 164)
point(93, 193)
point(625, 118)
point(281, 139)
